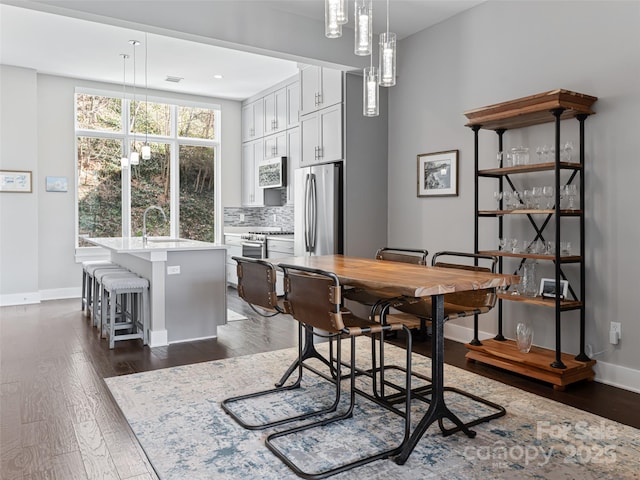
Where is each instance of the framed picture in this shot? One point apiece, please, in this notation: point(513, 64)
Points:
point(548, 288)
point(15, 181)
point(56, 184)
point(438, 174)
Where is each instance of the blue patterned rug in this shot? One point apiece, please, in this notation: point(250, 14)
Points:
point(175, 414)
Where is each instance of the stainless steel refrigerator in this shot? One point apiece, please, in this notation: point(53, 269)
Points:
point(318, 210)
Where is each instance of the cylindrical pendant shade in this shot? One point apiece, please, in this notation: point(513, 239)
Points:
point(370, 92)
point(342, 12)
point(124, 162)
point(332, 29)
point(387, 59)
point(134, 158)
point(363, 27)
point(146, 151)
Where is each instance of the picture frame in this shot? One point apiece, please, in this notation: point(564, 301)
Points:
point(56, 184)
point(15, 181)
point(548, 288)
point(438, 174)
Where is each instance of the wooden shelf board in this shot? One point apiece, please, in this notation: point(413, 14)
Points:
point(541, 301)
point(534, 167)
point(531, 110)
point(563, 259)
point(493, 213)
point(535, 364)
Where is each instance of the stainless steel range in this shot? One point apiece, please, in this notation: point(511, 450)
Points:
point(254, 244)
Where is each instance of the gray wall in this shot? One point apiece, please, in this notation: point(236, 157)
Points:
point(504, 50)
point(37, 230)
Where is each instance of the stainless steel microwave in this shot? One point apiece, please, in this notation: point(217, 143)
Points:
point(272, 173)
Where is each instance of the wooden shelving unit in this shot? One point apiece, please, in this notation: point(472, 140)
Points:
point(553, 366)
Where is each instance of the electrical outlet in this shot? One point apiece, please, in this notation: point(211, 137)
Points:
point(615, 333)
point(173, 270)
point(242, 217)
point(275, 217)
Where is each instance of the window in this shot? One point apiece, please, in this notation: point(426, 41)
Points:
point(180, 177)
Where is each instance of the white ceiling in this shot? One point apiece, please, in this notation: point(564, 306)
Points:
point(60, 45)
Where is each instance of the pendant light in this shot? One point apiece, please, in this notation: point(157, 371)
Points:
point(363, 26)
point(370, 91)
point(332, 26)
point(124, 160)
point(387, 56)
point(146, 149)
point(134, 158)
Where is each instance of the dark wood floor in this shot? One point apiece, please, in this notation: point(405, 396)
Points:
point(58, 420)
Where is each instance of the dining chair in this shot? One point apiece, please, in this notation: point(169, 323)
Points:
point(257, 286)
point(456, 305)
point(314, 298)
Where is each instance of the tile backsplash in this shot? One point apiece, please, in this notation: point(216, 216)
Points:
point(260, 217)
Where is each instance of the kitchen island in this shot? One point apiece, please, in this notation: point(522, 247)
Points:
point(187, 280)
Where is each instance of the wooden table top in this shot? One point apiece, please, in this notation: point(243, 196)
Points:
point(398, 278)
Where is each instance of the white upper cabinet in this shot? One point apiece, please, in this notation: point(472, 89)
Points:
point(320, 88)
point(275, 111)
point(252, 155)
point(253, 121)
point(275, 145)
point(293, 105)
point(321, 136)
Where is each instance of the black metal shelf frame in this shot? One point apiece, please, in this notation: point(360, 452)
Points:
point(504, 175)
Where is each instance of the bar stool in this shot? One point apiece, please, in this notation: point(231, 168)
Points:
point(133, 315)
point(98, 275)
point(87, 281)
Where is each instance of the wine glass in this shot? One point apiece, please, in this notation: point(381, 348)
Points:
point(498, 198)
point(539, 154)
point(502, 242)
point(568, 149)
point(545, 153)
point(508, 200)
point(547, 192)
point(572, 193)
point(537, 197)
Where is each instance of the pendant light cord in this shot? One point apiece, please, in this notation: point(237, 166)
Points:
point(146, 92)
point(133, 127)
point(387, 18)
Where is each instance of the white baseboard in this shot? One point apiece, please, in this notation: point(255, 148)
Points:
point(60, 293)
point(607, 373)
point(24, 298)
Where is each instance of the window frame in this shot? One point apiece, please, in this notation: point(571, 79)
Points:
point(127, 137)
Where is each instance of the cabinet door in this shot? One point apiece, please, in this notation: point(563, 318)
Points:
point(269, 113)
point(309, 89)
point(275, 145)
point(247, 123)
point(293, 160)
point(258, 118)
point(293, 105)
point(309, 130)
point(330, 135)
point(252, 155)
point(330, 88)
point(281, 110)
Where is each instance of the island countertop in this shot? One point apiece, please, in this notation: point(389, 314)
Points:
point(154, 244)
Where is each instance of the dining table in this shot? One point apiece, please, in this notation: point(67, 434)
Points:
point(409, 280)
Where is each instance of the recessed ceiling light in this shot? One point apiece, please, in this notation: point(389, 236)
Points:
point(173, 79)
point(218, 76)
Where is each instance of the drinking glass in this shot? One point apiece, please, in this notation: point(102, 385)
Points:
point(547, 192)
point(528, 199)
point(502, 242)
point(550, 248)
point(513, 244)
point(539, 154)
point(568, 150)
point(570, 192)
point(545, 153)
point(565, 248)
point(508, 200)
point(537, 197)
point(524, 336)
point(498, 198)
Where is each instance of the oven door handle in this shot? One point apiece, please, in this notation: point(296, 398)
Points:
point(252, 244)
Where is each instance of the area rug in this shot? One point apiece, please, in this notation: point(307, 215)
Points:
point(234, 316)
point(175, 413)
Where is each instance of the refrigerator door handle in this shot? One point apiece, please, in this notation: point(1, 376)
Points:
point(307, 213)
point(314, 213)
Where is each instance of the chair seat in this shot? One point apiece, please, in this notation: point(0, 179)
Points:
point(120, 283)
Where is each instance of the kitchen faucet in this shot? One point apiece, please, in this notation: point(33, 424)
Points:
point(144, 221)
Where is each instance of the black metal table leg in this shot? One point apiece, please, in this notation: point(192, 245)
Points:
point(437, 408)
point(309, 351)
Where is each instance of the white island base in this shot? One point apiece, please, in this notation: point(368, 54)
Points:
point(187, 280)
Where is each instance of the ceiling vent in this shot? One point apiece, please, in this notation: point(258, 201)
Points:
point(173, 79)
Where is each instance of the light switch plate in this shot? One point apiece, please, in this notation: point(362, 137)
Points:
point(173, 270)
